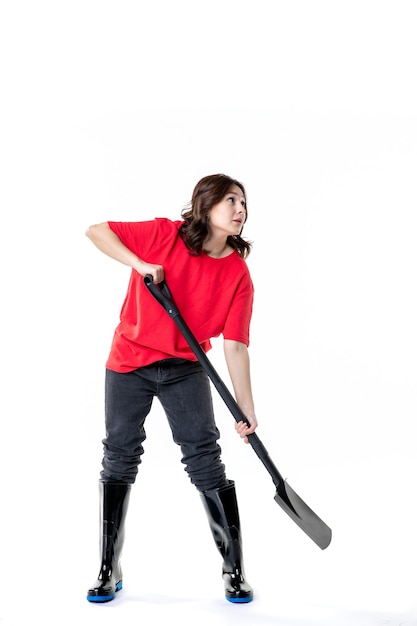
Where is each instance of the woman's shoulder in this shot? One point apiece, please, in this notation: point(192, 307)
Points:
point(167, 227)
point(166, 222)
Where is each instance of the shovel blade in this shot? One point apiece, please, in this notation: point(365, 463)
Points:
point(302, 515)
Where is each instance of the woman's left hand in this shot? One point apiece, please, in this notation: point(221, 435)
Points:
point(243, 429)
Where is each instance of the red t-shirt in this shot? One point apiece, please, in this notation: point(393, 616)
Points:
point(213, 296)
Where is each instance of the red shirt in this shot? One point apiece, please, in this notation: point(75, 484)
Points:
point(213, 296)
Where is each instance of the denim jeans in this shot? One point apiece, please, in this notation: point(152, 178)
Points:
point(183, 389)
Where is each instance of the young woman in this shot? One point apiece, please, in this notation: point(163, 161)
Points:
point(202, 257)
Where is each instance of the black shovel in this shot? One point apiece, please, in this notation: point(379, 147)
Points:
point(285, 496)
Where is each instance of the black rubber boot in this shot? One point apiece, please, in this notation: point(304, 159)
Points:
point(223, 514)
point(114, 500)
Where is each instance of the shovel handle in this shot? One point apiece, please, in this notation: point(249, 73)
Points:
point(163, 295)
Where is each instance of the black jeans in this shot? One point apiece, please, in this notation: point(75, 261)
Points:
point(183, 389)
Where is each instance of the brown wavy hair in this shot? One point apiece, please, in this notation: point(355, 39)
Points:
point(209, 191)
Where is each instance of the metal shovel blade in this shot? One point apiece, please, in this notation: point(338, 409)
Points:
point(302, 515)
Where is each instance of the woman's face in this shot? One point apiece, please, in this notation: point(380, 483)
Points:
point(228, 216)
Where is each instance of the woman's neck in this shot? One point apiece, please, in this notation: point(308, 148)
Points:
point(217, 249)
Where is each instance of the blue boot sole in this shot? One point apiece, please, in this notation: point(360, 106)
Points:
point(239, 600)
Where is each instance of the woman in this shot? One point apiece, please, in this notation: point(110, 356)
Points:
point(202, 257)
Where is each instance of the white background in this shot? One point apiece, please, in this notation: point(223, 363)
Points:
point(114, 110)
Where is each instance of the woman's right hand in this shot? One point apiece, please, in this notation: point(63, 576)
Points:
point(156, 271)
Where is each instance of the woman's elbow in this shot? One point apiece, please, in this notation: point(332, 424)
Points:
point(96, 229)
point(232, 346)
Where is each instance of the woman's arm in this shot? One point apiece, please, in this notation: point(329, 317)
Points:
point(238, 364)
point(109, 243)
